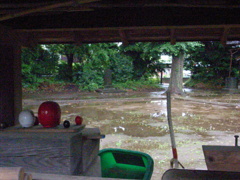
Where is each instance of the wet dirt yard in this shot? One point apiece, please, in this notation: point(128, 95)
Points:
point(138, 121)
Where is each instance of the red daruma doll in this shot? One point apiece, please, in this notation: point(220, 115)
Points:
point(49, 114)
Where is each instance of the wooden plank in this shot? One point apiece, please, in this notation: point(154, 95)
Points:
point(16, 173)
point(175, 33)
point(90, 149)
point(49, 152)
point(27, 176)
point(41, 176)
point(38, 152)
point(194, 27)
point(189, 174)
point(40, 129)
point(44, 8)
point(173, 3)
point(222, 158)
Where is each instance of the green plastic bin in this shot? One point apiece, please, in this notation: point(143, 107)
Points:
point(126, 164)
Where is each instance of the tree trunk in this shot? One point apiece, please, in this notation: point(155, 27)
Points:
point(176, 79)
point(70, 65)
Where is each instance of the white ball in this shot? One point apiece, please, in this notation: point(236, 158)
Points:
point(26, 118)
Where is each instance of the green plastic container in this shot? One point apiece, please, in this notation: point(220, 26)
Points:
point(126, 164)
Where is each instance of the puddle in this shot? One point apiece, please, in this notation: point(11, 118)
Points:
point(139, 122)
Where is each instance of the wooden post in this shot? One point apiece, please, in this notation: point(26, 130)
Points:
point(172, 37)
point(17, 76)
point(10, 77)
point(7, 85)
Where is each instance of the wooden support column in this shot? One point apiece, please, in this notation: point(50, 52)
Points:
point(10, 78)
point(7, 85)
point(123, 37)
point(17, 65)
point(224, 36)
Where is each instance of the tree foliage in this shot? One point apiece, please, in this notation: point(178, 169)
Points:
point(145, 59)
point(211, 61)
point(36, 63)
point(128, 63)
point(92, 61)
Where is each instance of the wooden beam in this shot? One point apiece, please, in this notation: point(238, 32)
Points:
point(133, 28)
point(10, 5)
point(29, 40)
point(123, 37)
point(136, 34)
point(78, 39)
point(185, 38)
point(172, 37)
point(187, 4)
point(224, 36)
point(44, 8)
point(192, 5)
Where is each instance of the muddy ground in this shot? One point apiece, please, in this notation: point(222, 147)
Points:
point(138, 121)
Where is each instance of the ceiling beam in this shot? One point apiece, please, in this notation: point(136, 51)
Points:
point(137, 34)
point(131, 28)
point(190, 4)
point(44, 8)
point(22, 5)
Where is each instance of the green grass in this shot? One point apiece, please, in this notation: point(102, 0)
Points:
point(55, 85)
point(204, 84)
point(138, 85)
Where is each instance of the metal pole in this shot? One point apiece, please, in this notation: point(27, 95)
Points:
point(230, 65)
point(236, 140)
point(174, 161)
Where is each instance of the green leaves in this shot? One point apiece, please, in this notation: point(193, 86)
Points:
point(136, 61)
point(37, 62)
point(210, 62)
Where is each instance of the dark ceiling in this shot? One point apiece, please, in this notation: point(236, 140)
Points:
point(90, 21)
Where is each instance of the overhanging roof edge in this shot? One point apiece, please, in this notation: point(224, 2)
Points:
point(131, 28)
